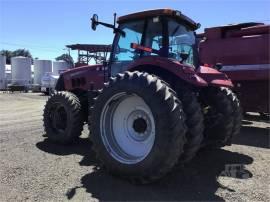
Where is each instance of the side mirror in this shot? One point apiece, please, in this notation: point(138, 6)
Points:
point(94, 23)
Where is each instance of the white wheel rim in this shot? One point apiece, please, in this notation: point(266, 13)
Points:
point(127, 128)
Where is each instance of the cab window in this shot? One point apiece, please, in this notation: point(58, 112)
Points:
point(153, 35)
point(133, 34)
point(181, 42)
point(123, 53)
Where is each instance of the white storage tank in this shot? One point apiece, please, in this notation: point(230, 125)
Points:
point(40, 68)
point(59, 66)
point(21, 70)
point(8, 77)
point(2, 72)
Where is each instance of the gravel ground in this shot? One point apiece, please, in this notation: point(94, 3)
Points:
point(33, 169)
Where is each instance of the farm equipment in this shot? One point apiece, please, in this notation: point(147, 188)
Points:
point(87, 53)
point(13, 87)
point(150, 106)
point(243, 53)
point(48, 82)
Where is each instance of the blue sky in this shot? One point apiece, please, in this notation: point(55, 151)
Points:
point(46, 26)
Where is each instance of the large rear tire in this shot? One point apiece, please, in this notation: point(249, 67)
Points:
point(223, 116)
point(63, 118)
point(137, 127)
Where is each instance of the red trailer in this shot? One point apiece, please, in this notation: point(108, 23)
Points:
point(243, 51)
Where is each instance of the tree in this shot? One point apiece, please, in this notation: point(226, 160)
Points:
point(22, 52)
point(67, 58)
point(8, 55)
point(18, 52)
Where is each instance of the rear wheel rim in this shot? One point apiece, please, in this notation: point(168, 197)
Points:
point(127, 128)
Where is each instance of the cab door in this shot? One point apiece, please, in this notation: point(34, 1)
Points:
point(123, 54)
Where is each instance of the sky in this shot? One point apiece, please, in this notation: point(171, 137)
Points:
point(45, 26)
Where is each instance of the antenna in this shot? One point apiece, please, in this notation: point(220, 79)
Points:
point(114, 16)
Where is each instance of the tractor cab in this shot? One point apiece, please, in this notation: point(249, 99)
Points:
point(162, 32)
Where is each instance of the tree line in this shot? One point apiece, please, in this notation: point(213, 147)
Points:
point(26, 53)
point(19, 52)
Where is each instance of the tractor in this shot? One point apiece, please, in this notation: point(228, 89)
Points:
point(150, 107)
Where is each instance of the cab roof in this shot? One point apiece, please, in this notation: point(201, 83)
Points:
point(159, 12)
point(239, 25)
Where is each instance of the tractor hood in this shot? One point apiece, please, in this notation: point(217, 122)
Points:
point(81, 69)
point(84, 77)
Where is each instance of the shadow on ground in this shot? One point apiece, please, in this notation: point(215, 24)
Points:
point(81, 147)
point(253, 136)
point(196, 181)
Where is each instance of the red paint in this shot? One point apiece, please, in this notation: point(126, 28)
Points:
point(214, 77)
point(204, 76)
point(93, 74)
point(158, 12)
point(184, 72)
point(249, 75)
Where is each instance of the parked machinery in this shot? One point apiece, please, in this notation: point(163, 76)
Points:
point(242, 51)
point(49, 78)
point(156, 109)
point(48, 82)
point(90, 53)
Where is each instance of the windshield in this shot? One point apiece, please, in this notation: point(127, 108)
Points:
point(123, 51)
point(181, 42)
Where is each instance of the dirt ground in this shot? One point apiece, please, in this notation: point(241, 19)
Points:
point(33, 169)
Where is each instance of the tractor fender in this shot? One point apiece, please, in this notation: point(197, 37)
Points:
point(182, 71)
point(214, 77)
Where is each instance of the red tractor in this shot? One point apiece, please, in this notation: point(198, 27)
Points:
point(150, 106)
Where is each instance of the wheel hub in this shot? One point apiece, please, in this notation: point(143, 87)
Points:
point(140, 125)
point(127, 128)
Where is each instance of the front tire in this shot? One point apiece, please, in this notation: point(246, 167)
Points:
point(223, 116)
point(63, 118)
point(137, 126)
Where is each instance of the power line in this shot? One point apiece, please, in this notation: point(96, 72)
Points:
point(27, 44)
point(32, 46)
